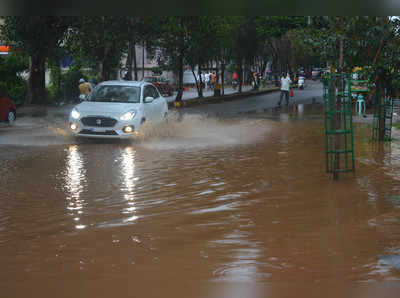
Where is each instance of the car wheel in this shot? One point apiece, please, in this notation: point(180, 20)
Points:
point(142, 121)
point(166, 117)
point(11, 116)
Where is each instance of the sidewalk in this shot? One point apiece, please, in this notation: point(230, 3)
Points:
point(192, 93)
point(191, 98)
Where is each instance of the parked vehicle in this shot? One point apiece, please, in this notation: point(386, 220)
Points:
point(161, 83)
point(235, 83)
point(8, 111)
point(301, 83)
point(316, 74)
point(117, 109)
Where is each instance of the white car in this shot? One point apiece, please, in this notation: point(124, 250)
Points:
point(116, 109)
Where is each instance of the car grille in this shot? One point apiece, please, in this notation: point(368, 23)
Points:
point(98, 133)
point(98, 121)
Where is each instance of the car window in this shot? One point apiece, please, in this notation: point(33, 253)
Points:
point(154, 92)
point(147, 92)
point(115, 93)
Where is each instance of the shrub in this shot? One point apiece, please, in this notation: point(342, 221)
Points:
point(11, 66)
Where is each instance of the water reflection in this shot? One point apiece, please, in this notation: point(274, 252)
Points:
point(129, 182)
point(300, 110)
point(75, 180)
point(244, 259)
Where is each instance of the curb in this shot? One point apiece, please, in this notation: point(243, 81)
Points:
point(218, 99)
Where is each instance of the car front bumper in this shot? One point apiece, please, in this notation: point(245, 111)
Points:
point(117, 131)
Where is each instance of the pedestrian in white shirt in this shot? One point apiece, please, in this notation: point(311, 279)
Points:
point(285, 88)
point(207, 80)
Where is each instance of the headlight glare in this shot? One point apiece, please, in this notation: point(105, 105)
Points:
point(75, 114)
point(128, 116)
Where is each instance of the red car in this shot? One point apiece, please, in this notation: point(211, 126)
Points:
point(8, 111)
point(162, 85)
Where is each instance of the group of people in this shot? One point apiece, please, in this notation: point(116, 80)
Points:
point(208, 79)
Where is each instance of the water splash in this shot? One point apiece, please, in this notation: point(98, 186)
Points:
point(192, 131)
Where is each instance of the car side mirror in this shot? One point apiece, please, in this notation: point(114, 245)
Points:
point(148, 99)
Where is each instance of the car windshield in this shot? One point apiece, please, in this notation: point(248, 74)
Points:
point(115, 93)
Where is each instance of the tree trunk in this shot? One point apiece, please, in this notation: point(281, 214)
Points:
point(36, 82)
point(135, 70)
point(222, 79)
point(263, 68)
point(105, 75)
point(200, 90)
point(143, 61)
point(181, 54)
point(104, 72)
point(381, 103)
point(128, 64)
point(101, 67)
point(240, 75)
point(180, 79)
point(196, 81)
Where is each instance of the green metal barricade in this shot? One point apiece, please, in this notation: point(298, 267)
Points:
point(383, 118)
point(338, 124)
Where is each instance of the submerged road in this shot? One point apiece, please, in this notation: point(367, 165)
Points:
point(216, 207)
point(259, 103)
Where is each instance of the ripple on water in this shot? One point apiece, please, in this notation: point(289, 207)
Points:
point(241, 272)
point(225, 207)
point(251, 204)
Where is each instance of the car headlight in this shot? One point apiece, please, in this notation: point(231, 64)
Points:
point(128, 115)
point(75, 114)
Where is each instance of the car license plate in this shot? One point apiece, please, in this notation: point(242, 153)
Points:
point(97, 129)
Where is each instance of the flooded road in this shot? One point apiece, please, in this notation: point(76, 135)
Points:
point(238, 207)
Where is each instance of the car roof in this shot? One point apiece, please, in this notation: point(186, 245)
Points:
point(125, 83)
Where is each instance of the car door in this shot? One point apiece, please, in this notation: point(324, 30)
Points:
point(157, 104)
point(149, 107)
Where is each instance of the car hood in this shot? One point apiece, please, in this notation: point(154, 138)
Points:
point(105, 108)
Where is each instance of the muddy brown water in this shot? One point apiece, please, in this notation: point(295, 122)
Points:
point(199, 208)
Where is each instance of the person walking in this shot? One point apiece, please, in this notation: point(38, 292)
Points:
point(285, 88)
point(207, 80)
point(213, 80)
point(84, 89)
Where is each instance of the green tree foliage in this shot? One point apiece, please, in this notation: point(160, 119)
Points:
point(102, 38)
point(40, 37)
point(369, 42)
point(301, 56)
point(173, 43)
point(12, 83)
point(277, 43)
point(202, 43)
